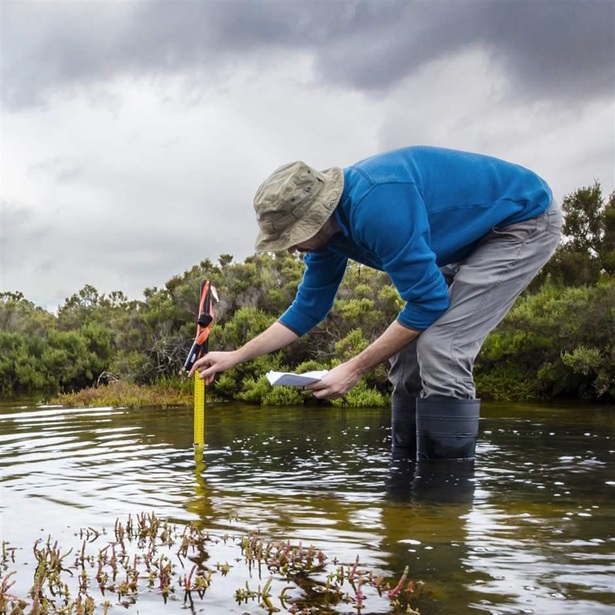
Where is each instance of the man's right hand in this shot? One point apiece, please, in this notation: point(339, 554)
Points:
point(213, 363)
point(271, 339)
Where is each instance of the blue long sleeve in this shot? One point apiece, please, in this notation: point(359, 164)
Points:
point(408, 213)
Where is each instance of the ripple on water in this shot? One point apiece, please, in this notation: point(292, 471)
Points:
point(529, 531)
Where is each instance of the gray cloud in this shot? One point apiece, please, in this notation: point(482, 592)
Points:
point(22, 230)
point(552, 48)
point(61, 170)
point(160, 119)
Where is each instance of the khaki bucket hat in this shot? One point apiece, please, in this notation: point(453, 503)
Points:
point(294, 203)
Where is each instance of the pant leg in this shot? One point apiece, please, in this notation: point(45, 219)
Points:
point(404, 372)
point(486, 285)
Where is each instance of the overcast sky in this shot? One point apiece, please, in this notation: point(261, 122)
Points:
point(135, 133)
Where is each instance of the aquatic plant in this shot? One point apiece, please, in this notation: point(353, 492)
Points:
point(147, 557)
point(127, 394)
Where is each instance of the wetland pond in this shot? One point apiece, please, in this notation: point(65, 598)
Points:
point(530, 528)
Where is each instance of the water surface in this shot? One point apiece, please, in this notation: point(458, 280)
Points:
point(528, 529)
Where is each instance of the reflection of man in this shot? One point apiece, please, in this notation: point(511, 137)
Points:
point(411, 212)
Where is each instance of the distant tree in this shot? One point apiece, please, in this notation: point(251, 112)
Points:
point(19, 315)
point(587, 250)
point(608, 239)
point(79, 309)
point(225, 259)
point(557, 341)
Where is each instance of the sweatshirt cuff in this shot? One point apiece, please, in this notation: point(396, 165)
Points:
point(421, 317)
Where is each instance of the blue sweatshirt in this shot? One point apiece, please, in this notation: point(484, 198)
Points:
point(409, 212)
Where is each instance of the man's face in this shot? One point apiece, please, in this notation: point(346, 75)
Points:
point(313, 244)
point(318, 241)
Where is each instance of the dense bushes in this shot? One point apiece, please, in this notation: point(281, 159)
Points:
point(557, 341)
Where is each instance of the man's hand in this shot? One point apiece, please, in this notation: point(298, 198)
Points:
point(212, 363)
point(336, 382)
point(273, 338)
point(343, 377)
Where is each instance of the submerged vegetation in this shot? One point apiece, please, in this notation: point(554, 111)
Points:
point(557, 342)
point(150, 558)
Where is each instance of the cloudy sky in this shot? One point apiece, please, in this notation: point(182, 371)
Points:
point(135, 133)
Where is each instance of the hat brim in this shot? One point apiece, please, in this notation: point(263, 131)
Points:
point(315, 218)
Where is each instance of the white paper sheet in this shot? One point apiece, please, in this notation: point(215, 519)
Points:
point(294, 380)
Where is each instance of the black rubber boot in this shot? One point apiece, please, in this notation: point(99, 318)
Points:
point(444, 481)
point(446, 428)
point(403, 425)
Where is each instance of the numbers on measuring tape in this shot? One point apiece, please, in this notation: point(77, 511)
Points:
point(199, 410)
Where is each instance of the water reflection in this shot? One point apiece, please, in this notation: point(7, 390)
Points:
point(527, 528)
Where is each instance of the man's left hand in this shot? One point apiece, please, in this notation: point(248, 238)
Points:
point(336, 383)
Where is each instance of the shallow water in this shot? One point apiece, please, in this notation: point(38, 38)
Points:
point(528, 529)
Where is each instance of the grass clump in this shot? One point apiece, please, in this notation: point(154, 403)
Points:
point(128, 394)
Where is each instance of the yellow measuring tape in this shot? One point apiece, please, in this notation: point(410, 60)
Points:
point(199, 410)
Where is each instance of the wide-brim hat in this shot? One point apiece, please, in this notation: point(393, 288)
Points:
point(294, 203)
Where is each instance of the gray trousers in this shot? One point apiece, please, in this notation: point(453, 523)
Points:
point(482, 289)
